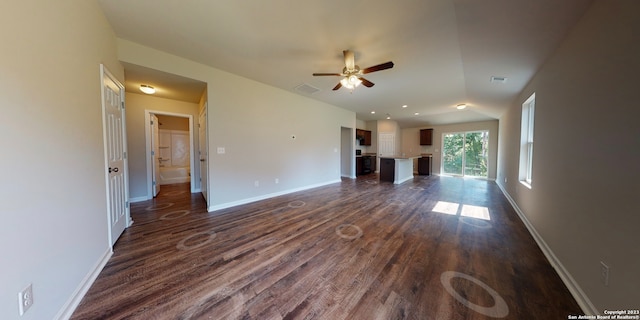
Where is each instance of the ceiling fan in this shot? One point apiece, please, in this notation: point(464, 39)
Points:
point(353, 74)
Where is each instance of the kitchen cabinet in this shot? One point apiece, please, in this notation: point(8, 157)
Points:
point(367, 138)
point(396, 169)
point(424, 165)
point(364, 136)
point(426, 137)
point(365, 164)
point(387, 169)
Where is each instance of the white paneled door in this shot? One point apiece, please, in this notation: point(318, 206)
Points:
point(387, 144)
point(115, 153)
point(202, 140)
point(155, 155)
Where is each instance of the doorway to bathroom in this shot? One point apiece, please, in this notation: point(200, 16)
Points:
point(170, 150)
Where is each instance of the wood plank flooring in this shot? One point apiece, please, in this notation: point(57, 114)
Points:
point(359, 249)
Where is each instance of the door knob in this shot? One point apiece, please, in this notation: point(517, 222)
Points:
point(113, 170)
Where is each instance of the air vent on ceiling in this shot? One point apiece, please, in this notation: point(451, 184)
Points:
point(306, 88)
point(498, 79)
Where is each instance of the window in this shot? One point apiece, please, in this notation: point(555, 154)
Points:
point(526, 140)
point(465, 153)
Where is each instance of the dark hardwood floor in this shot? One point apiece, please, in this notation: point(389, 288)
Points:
point(431, 248)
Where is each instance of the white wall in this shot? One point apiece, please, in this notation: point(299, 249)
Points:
point(583, 201)
point(255, 124)
point(411, 142)
point(53, 194)
point(136, 106)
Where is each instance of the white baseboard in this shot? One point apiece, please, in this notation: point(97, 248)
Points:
point(267, 196)
point(138, 199)
point(581, 298)
point(70, 306)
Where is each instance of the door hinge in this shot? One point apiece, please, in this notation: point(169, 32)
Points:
point(153, 153)
point(154, 182)
point(122, 103)
point(151, 122)
point(124, 154)
point(126, 204)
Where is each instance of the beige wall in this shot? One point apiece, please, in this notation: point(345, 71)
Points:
point(53, 189)
point(173, 122)
point(583, 201)
point(255, 124)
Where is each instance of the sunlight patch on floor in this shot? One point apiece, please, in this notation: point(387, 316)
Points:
point(446, 208)
point(475, 212)
point(467, 210)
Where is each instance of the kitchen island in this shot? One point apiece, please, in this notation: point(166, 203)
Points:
point(396, 169)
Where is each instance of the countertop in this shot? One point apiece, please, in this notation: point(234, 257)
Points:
point(366, 155)
point(401, 157)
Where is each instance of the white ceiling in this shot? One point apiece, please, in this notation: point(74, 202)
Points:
point(445, 51)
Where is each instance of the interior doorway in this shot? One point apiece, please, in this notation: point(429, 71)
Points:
point(173, 160)
point(347, 153)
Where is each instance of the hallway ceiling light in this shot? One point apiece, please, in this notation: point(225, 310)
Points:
point(461, 106)
point(147, 89)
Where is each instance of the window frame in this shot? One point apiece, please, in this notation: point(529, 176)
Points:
point(527, 141)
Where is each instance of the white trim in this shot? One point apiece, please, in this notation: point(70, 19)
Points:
point(139, 199)
point(581, 298)
point(70, 306)
point(267, 196)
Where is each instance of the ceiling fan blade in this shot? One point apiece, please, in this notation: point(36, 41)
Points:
point(326, 74)
point(367, 83)
point(382, 66)
point(338, 86)
point(349, 60)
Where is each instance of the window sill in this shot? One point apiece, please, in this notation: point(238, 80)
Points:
point(526, 184)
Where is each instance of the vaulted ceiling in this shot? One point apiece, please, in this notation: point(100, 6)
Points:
point(445, 51)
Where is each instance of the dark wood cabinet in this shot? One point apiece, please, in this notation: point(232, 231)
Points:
point(365, 164)
point(426, 137)
point(387, 169)
point(367, 138)
point(364, 136)
point(424, 166)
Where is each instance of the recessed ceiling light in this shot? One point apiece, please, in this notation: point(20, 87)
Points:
point(147, 89)
point(415, 114)
point(461, 106)
point(373, 112)
point(404, 106)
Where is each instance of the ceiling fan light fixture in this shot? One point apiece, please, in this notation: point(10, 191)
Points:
point(350, 82)
point(147, 89)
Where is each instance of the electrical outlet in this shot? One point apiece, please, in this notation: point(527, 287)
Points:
point(604, 273)
point(25, 299)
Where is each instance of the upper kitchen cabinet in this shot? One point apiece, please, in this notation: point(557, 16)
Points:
point(364, 136)
point(426, 137)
